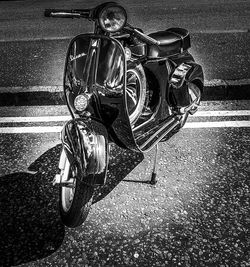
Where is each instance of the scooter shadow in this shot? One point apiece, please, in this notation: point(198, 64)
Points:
point(121, 163)
point(30, 225)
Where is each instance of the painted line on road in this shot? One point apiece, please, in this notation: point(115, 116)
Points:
point(59, 88)
point(57, 129)
point(222, 113)
point(31, 89)
point(218, 124)
point(34, 119)
point(214, 113)
point(37, 129)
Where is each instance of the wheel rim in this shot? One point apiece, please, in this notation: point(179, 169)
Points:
point(68, 193)
point(133, 91)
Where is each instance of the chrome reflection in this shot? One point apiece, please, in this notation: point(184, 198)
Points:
point(133, 90)
point(110, 70)
point(95, 63)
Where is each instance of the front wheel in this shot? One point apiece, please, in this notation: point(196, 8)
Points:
point(75, 197)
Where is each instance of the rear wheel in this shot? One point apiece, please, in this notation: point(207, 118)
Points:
point(75, 197)
point(135, 90)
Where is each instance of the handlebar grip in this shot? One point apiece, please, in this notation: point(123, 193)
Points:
point(48, 12)
point(61, 13)
point(65, 13)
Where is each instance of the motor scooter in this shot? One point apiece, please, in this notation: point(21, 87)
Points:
point(124, 87)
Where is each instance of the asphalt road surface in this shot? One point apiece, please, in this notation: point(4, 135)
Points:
point(219, 34)
point(223, 56)
point(24, 19)
point(198, 212)
point(196, 215)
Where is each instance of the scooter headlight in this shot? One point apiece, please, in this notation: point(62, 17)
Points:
point(81, 102)
point(112, 18)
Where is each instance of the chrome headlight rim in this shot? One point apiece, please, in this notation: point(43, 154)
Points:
point(109, 7)
point(81, 102)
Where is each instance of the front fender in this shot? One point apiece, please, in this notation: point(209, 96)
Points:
point(85, 144)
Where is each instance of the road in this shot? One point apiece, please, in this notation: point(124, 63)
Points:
point(24, 19)
point(196, 215)
point(223, 56)
point(198, 212)
point(33, 48)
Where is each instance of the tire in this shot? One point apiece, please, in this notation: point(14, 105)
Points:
point(75, 203)
point(136, 90)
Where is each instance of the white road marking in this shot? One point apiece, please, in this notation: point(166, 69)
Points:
point(219, 113)
point(57, 129)
point(217, 124)
point(34, 119)
point(222, 113)
point(37, 129)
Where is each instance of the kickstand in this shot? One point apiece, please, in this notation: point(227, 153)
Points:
point(153, 180)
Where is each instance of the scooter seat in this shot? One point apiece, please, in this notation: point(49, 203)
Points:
point(171, 41)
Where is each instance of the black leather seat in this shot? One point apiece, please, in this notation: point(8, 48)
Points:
point(172, 41)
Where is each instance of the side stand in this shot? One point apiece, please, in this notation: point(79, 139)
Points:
point(153, 180)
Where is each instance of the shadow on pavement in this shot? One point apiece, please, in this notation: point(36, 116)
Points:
point(30, 226)
point(121, 163)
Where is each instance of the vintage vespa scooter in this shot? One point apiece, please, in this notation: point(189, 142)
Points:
point(121, 86)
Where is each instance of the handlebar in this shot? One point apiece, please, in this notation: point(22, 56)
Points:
point(147, 39)
point(65, 13)
point(143, 37)
point(88, 13)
